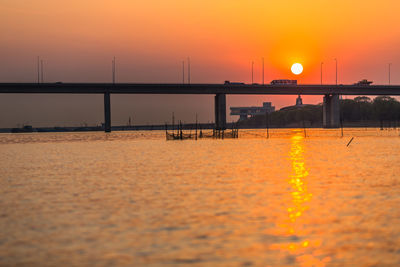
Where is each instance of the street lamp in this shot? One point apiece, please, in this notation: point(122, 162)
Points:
point(262, 71)
point(252, 71)
point(336, 69)
point(321, 71)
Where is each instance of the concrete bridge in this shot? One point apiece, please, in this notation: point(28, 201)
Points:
point(330, 93)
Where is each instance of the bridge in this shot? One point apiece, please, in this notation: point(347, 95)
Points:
point(330, 93)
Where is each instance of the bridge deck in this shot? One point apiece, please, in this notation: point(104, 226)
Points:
point(245, 89)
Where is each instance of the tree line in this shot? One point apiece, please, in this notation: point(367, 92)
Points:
point(383, 111)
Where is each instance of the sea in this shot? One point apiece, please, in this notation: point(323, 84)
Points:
point(286, 197)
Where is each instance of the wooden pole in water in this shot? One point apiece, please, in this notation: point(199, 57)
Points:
point(196, 127)
point(341, 125)
point(267, 122)
point(173, 124)
point(180, 126)
point(341, 115)
point(177, 129)
point(350, 141)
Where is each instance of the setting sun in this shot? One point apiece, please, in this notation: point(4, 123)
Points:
point(297, 68)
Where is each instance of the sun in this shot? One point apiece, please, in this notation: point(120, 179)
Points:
point(297, 68)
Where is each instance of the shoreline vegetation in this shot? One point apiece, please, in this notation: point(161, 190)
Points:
point(360, 112)
point(382, 112)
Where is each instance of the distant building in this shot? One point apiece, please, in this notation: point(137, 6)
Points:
point(299, 101)
point(245, 112)
point(299, 104)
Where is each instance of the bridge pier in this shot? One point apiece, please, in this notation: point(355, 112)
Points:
point(331, 111)
point(220, 111)
point(107, 113)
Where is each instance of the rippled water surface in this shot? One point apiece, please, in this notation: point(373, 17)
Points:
point(135, 199)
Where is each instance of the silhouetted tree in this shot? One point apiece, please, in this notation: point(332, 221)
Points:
point(362, 108)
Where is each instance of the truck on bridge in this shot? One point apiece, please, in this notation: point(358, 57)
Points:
point(284, 81)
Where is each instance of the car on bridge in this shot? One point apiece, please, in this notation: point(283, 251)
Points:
point(364, 82)
point(233, 83)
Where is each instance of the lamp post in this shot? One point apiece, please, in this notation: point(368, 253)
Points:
point(336, 69)
point(41, 70)
point(113, 70)
point(262, 71)
point(390, 64)
point(183, 72)
point(321, 71)
point(340, 96)
point(252, 71)
point(188, 59)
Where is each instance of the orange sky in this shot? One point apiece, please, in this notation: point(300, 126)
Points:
point(77, 40)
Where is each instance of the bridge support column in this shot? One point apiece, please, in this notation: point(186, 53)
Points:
point(331, 111)
point(107, 113)
point(220, 111)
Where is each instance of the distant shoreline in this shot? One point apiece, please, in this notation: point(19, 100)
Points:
point(186, 127)
point(158, 127)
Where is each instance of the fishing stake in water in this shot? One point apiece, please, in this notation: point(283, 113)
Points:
point(350, 141)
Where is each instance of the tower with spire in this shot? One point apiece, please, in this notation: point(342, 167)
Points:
point(299, 101)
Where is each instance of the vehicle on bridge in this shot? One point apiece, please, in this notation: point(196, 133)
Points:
point(364, 82)
point(233, 83)
point(284, 81)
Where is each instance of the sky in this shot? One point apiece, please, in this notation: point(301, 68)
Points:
point(78, 39)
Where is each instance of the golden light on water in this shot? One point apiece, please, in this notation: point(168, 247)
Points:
point(282, 201)
point(299, 246)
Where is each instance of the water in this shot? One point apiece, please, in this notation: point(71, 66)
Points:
point(134, 199)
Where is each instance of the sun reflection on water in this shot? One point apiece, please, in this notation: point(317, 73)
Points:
point(298, 245)
point(297, 180)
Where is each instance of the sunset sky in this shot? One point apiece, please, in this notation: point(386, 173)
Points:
point(77, 40)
